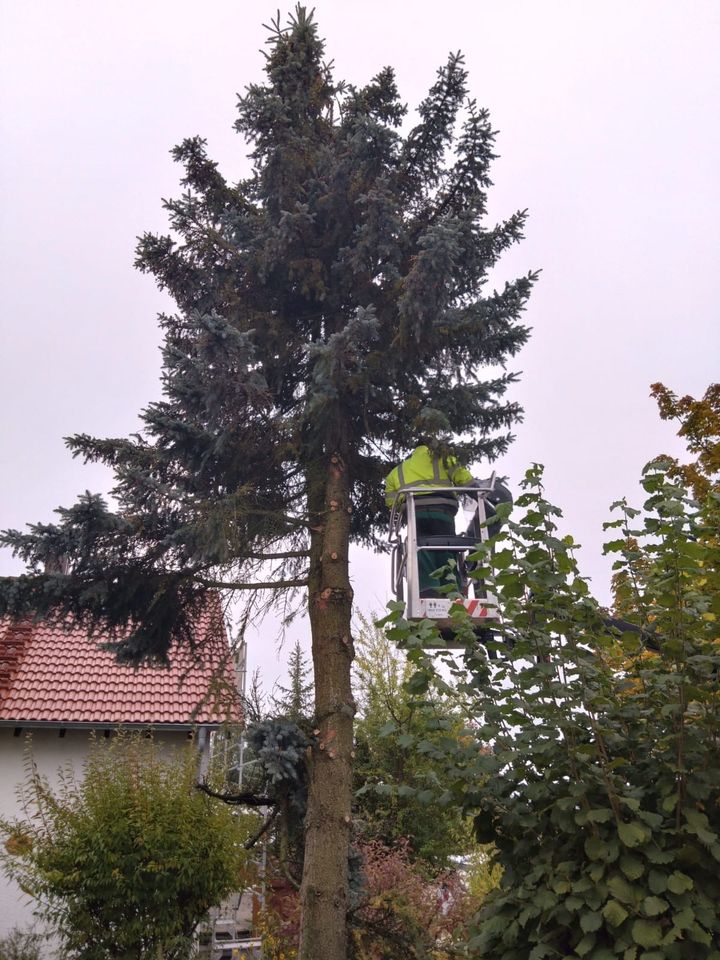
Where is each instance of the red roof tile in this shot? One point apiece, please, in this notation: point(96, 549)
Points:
point(57, 675)
point(12, 645)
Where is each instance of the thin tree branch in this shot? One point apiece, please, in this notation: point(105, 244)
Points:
point(249, 844)
point(289, 877)
point(286, 555)
point(237, 799)
point(272, 585)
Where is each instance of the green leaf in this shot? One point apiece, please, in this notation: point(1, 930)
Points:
point(502, 559)
point(698, 823)
point(541, 950)
point(387, 728)
point(599, 815)
point(615, 913)
point(682, 919)
point(596, 849)
point(585, 945)
point(621, 889)
point(679, 882)
point(405, 740)
point(614, 546)
point(647, 933)
point(653, 906)
point(417, 683)
point(634, 833)
point(589, 922)
point(699, 935)
point(654, 820)
point(656, 855)
point(545, 899)
point(631, 867)
point(657, 881)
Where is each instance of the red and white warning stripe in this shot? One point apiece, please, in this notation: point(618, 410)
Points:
point(474, 608)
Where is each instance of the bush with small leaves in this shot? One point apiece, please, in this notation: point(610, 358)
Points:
point(21, 945)
point(126, 861)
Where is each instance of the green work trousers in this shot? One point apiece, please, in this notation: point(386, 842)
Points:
point(435, 521)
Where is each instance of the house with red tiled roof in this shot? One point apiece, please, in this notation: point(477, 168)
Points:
point(58, 686)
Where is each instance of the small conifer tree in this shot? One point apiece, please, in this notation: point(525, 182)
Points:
point(294, 702)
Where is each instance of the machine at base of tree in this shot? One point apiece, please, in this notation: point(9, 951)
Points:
point(407, 546)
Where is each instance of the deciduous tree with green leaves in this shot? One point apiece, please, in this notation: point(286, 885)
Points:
point(389, 772)
point(602, 790)
point(700, 428)
point(126, 860)
point(330, 308)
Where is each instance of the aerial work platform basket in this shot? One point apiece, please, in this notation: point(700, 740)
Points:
point(406, 545)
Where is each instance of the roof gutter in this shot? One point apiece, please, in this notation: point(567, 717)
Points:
point(105, 725)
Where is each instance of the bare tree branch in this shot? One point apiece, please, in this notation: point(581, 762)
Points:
point(286, 555)
point(268, 585)
point(237, 799)
point(249, 844)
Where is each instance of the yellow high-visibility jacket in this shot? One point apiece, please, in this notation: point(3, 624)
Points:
point(423, 469)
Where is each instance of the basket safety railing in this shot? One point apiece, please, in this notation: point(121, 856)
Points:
point(405, 549)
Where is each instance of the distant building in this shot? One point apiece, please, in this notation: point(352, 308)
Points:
point(58, 686)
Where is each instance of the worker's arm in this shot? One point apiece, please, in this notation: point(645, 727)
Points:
point(460, 476)
point(392, 485)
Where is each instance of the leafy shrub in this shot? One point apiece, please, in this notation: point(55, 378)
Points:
point(602, 790)
point(20, 945)
point(127, 861)
point(405, 912)
point(390, 722)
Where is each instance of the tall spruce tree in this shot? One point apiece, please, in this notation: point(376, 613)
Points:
point(330, 309)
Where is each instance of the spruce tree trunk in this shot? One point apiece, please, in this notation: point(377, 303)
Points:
point(324, 891)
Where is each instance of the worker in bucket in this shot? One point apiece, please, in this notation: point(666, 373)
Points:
point(435, 510)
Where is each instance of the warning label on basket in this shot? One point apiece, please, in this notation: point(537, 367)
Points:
point(440, 608)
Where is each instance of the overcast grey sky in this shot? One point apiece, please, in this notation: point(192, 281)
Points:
point(609, 133)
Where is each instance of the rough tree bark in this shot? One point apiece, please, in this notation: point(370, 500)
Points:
point(324, 891)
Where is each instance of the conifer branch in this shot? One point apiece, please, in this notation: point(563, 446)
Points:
point(284, 555)
point(262, 585)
